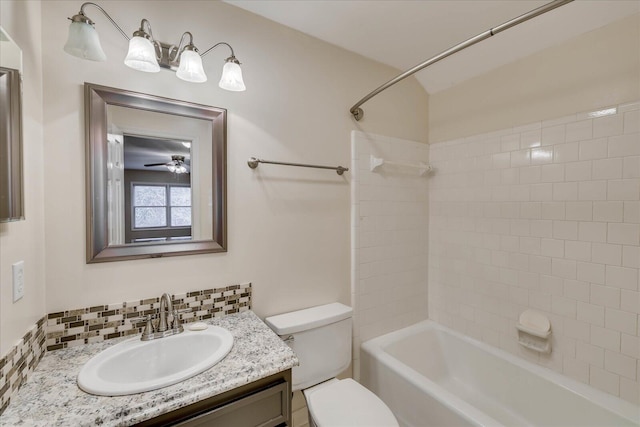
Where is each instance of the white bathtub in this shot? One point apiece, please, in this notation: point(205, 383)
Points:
point(432, 376)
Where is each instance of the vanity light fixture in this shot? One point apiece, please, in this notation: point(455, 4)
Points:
point(148, 54)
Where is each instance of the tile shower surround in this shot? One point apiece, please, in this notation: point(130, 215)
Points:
point(544, 216)
point(389, 238)
point(93, 324)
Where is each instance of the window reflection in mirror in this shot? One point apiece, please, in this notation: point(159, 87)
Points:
point(157, 195)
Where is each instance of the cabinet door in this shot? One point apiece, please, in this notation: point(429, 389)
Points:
point(266, 408)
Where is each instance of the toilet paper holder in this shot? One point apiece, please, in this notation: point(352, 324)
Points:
point(534, 331)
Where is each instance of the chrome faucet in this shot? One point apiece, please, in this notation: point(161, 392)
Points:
point(166, 308)
point(164, 327)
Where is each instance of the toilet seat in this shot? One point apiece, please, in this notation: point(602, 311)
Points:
point(347, 403)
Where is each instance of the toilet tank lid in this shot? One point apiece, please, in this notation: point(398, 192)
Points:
point(309, 318)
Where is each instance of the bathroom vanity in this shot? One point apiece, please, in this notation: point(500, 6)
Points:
point(264, 403)
point(251, 386)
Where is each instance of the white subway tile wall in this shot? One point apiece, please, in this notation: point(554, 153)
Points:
point(388, 236)
point(545, 216)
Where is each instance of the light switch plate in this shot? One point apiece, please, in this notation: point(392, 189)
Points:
point(18, 280)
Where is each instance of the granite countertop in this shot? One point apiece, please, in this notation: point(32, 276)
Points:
point(51, 397)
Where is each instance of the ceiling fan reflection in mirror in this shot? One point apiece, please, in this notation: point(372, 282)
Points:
point(176, 165)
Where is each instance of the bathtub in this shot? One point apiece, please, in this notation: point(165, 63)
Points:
point(432, 376)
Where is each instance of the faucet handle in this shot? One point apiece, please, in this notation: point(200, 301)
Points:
point(175, 321)
point(148, 327)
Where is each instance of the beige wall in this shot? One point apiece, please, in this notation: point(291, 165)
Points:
point(288, 227)
point(599, 68)
point(24, 240)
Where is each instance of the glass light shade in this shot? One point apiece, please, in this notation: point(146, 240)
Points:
point(142, 55)
point(177, 169)
point(190, 68)
point(232, 77)
point(83, 42)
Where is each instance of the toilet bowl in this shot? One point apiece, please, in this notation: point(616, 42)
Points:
point(321, 338)
point(346, 403)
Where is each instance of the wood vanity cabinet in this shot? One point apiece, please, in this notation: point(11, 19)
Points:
point(264, 403)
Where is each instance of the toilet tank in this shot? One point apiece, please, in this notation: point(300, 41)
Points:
point(321, 338)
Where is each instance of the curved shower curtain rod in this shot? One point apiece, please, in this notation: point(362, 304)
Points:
point(358, 113)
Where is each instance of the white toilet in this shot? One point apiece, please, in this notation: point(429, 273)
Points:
point(321, 338)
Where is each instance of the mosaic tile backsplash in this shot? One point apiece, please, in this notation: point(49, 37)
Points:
point(20, 361)
point(98, 323)
point(93, 324)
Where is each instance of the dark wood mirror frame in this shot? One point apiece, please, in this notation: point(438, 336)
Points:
point(97, 98)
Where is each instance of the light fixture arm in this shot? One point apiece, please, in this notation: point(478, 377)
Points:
point(148, 34)
point(175, 52)
point(215, 46)
point(83, 18)
point(148, 27)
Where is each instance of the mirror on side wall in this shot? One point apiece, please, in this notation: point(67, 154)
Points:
point(11, 173)
point(156, 176)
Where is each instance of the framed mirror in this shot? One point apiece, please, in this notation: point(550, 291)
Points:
point(11, 173)
point(155, 176)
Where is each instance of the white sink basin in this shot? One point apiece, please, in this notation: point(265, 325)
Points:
point(135, 366)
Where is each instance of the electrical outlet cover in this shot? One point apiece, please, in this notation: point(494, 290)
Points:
point(18, 280)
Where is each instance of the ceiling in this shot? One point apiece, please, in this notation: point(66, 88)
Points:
point(404, 33)
point(139, 151)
